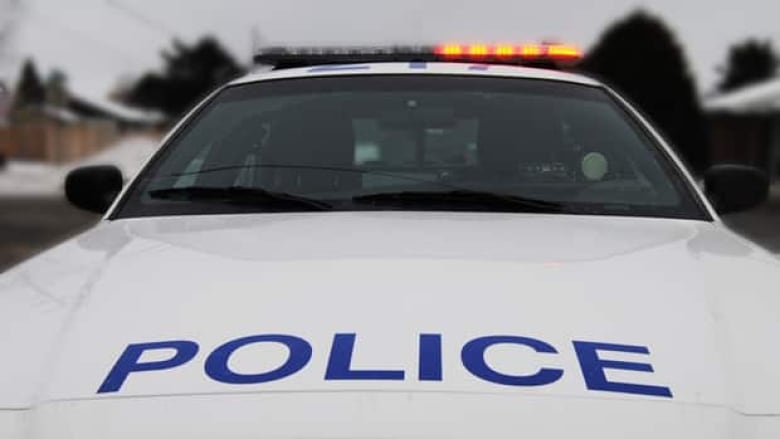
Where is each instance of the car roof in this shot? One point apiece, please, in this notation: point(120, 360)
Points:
point(416, 68)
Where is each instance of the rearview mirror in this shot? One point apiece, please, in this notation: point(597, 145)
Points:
point(733, 188)
point(93, 188)
point(419, 118)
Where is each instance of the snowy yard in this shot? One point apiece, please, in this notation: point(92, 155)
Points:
point(34, 179)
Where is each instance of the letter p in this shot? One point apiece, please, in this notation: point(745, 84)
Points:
point(184, 351)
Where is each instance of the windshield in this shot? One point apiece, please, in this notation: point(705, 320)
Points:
point(411, 142)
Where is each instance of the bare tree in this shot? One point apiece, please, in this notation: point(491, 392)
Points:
point(9, 16)
point(10, 12)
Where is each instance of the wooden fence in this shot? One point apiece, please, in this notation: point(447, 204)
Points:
point(54, 142)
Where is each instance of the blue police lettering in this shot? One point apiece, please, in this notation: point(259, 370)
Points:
point(593, 369)
point(430, 358)
point(127, 363)
point(429, 368)
point(340, 363)
point(473, 357)
point(217, 362)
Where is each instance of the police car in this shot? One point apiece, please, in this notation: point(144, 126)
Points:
point(410, 242)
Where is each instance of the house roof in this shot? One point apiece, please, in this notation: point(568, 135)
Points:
point(60, 114)
point(760, 98)
point(114, 110)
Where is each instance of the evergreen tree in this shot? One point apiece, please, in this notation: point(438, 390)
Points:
point(640, 57)
point(30, 91)
point(749, 62)
point(190, 72)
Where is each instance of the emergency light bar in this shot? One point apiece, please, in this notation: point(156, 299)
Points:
point(535, 55)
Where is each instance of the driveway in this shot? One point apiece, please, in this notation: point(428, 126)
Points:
point(29, 225)
point(761, 225)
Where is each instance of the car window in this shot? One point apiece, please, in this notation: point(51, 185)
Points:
point(340, 139)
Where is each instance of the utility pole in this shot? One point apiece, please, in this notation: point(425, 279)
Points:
point(256, 41)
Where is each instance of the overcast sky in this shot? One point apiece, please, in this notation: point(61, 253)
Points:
point(98, 41)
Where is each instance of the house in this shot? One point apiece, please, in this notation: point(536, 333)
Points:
point(126, 118)
point(745, 126)
point(5, 103)
point(71, 127)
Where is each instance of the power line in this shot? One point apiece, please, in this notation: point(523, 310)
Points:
point(141, 18)
point(95, 42)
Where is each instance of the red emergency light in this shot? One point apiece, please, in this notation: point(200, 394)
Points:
point(555, 52)
point(545, 55)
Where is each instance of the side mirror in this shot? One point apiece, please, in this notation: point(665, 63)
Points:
point(93, 188)
point(733, 188)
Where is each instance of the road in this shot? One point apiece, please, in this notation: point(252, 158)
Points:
point(29, 225)
point(762, 225)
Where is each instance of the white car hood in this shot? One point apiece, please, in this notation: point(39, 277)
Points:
point(703, 301)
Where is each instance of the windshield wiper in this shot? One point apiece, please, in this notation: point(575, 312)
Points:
point(240, 196)
point(461, 197)
point(335, 169)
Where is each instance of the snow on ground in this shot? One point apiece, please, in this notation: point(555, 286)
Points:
point(22, 179)
point(27, 178)
point(129, 155)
